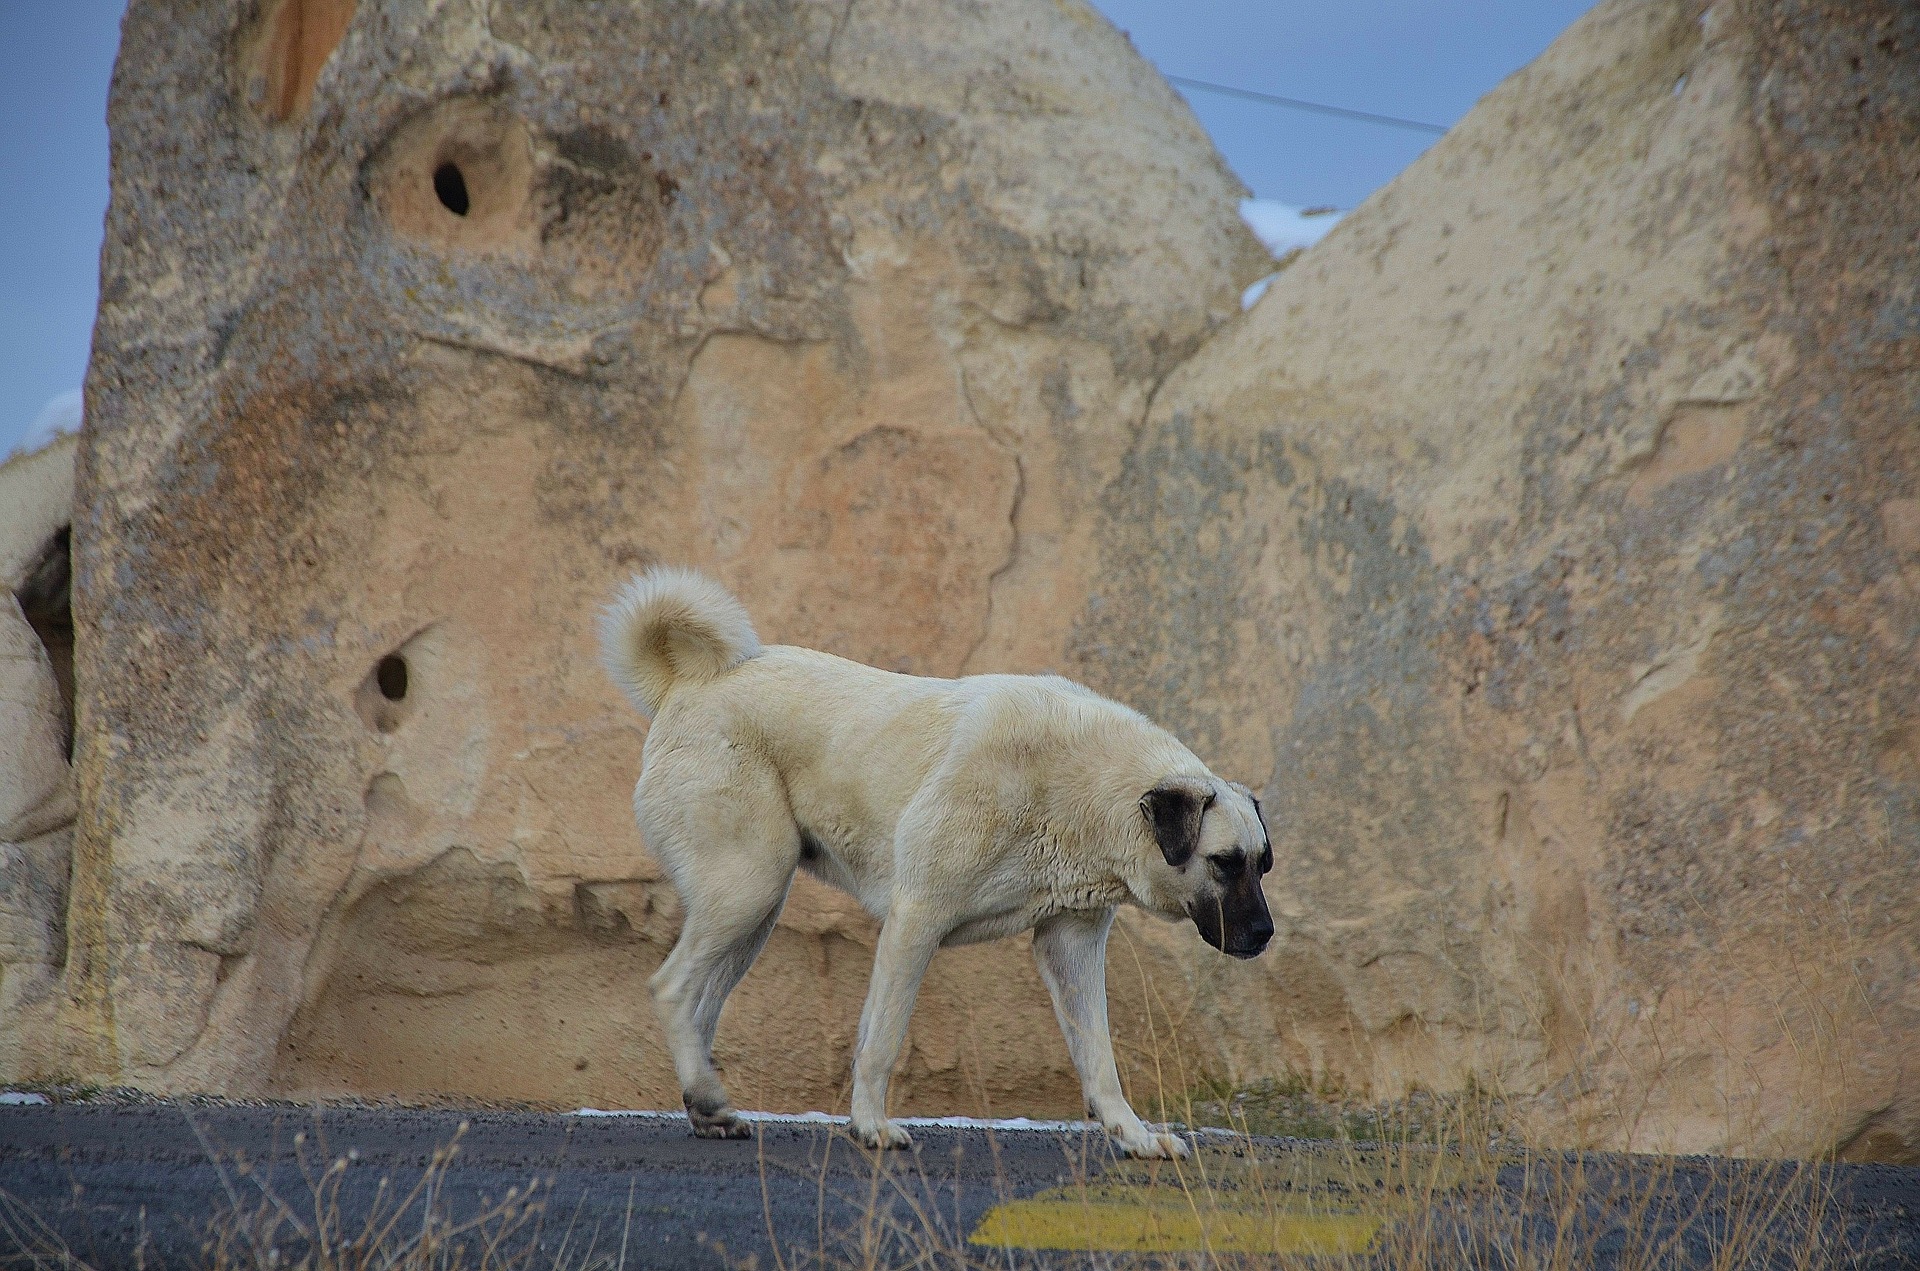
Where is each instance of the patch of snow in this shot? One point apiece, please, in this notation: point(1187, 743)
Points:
point(22, 1099)
point(998, 1123)
point(823, 1118)
point(1283, 229)
point(60, 416)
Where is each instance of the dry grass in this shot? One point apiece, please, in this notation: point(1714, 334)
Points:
point(1477, 1179)
point(1295, 1107)
point(1409, 1204)
point(1443, 1189)
point(421, 1228)
point(1419, 1183)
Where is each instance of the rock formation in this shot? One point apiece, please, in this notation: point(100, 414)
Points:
point(36, 737)
point(411, 347)
point(1548, 538)
point(1545, 544)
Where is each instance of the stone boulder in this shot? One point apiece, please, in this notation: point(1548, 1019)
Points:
point(36, 737)
point(422, 327)
point(1548, 539)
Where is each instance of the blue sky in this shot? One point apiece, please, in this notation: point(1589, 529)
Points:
point(1422, 61)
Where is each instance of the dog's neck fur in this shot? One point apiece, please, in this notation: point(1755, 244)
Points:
point(1114, 865)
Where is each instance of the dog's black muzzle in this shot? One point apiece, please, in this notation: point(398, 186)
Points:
point(1236, 921)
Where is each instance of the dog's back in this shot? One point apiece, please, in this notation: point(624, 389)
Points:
point(830, 748)
point(838, 749)
point(851, 743)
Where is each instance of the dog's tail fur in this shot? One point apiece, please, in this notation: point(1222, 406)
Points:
point(669, 626)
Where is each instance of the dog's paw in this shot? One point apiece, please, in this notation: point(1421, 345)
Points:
point(717, 1122)
point(884, 1136)
point(727, 1127)
point(1156, 1147)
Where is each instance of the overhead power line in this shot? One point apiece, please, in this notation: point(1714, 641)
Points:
point(1318, 108)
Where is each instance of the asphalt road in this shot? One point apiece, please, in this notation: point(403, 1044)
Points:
point(172, 1186)
point(154, 1185)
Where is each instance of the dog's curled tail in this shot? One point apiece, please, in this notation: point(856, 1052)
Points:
point(669, 626)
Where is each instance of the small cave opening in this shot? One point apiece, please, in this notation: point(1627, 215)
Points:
point(391, 677)
point(46, 599)
point(450, 185)
point(389, 692)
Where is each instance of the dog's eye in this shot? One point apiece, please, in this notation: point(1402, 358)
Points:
point(1227, 866)
point(1266, 859)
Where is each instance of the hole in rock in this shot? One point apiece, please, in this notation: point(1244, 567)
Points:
point(462, 175)
point(451, 187)
point(46, 599)
point(391, 676)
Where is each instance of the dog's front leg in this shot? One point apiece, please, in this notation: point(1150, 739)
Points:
point(1071, 949)
point(907, 943)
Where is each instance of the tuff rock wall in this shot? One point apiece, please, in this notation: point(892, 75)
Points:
point(1545, 544)
point(1548, 538)
point(36, 733)
point(424, 325)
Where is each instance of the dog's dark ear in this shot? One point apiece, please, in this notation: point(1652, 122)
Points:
point(1266, 838)
point(1174, 809)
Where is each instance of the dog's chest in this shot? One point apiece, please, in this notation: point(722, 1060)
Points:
point(1079, 898)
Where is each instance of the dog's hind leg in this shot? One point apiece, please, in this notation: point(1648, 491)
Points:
point(732, 896)
point(725, 972)
point(1071, 949)
point(716, 947)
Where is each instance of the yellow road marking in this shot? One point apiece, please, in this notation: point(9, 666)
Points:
point(1312, 1201)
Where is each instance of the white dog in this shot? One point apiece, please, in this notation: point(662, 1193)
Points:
point(955, 811)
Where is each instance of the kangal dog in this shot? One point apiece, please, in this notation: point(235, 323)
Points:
point(955, 811)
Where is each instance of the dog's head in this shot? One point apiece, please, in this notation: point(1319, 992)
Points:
point(1215, 844)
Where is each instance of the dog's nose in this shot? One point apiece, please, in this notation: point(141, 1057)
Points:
point(1255, 939)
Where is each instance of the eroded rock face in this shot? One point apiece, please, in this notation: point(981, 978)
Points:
point(1549, 536)
point(411, 349)
point(36, 731)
